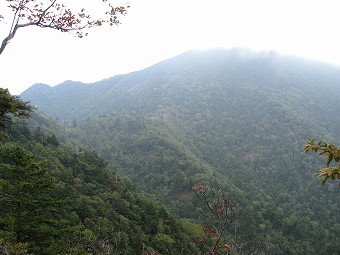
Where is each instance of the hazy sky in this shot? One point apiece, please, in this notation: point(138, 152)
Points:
point(154, 30)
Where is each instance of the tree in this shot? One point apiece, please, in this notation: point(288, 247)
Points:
point(27, 208)
point(331, 154)
point(55, 15)
point(220, 213)
point(11, 106)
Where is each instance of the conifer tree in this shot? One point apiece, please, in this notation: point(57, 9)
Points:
point(27, 207)
point(11, 106)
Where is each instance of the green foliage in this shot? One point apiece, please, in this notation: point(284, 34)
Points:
point(331, 153)
point(102, 213)
point(237, 120)
point(27, 207)
point(11, 106)
point(161, 165)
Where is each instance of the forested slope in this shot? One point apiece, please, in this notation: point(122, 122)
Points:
point(90, 208)
point(235, 117)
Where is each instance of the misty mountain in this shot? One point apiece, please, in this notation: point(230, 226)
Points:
point(233, 117)
point(185, 79)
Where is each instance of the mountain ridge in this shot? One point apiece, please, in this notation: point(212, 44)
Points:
point(227, 64)
point(244, 117)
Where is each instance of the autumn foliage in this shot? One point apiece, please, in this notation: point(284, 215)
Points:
point(219, 215)
point(56, 15)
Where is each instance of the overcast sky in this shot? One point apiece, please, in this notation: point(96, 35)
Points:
point(154, 30)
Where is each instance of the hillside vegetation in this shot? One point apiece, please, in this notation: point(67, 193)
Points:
point(87, 207)
point(233, 118)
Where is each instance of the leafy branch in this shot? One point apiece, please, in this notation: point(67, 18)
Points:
point(331, 154)
point(54, 15)
point(220, 214)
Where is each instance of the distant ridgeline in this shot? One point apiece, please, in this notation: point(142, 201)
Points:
point(232, 118)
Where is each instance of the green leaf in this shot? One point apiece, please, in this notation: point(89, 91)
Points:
point(324, 180)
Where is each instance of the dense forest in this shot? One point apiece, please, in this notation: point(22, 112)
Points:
point(121, 157)
point(59, 199)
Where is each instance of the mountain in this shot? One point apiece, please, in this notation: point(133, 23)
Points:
point(236, 118)
point(189, 77)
